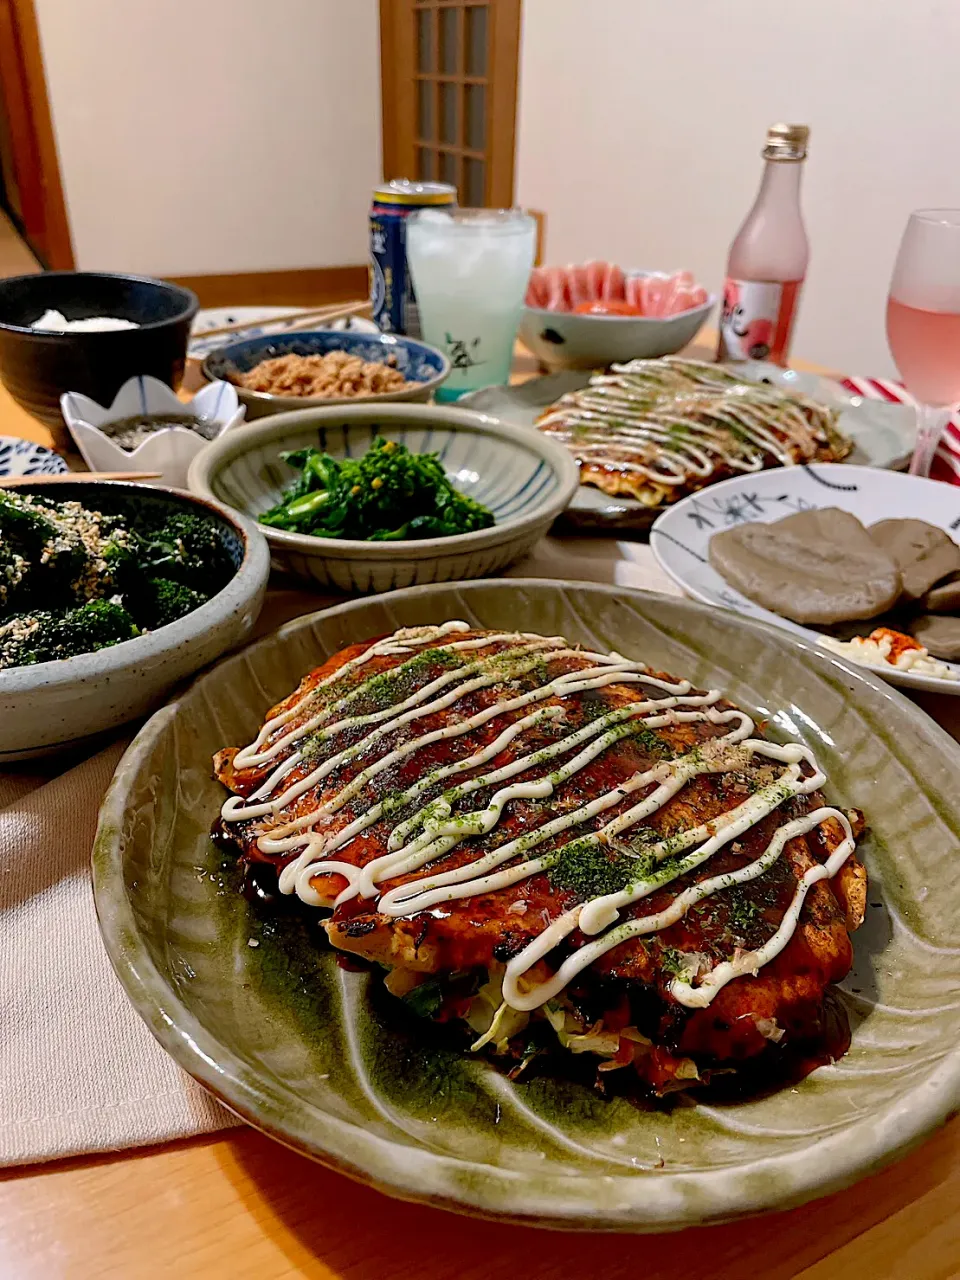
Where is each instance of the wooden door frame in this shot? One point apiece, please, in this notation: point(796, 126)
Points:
point(398, 107)
point(35, 159)
point(502, 110)
point(397, 115)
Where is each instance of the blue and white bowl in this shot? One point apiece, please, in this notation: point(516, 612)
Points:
point(255, 322)
point(424, 366)
point(169, 451)
point(524, 477)
point(25, 458)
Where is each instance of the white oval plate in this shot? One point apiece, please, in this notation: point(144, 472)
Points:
point(261, 320)
point(882, 433)
point(680, 538)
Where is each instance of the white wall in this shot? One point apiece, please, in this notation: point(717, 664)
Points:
point(215, 136)
point(641, 123)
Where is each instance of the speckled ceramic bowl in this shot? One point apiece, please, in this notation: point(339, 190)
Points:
point(524, 477)
point(55, 705)
point(319, 1058)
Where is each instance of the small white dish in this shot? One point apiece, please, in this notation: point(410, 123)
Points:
point(680, 538)
point(168, 451)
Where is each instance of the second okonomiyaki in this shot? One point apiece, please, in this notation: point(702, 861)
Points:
point(657, 430)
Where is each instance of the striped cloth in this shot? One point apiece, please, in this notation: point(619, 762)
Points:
point(946, 464)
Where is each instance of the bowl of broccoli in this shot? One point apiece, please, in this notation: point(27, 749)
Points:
point(368, 498)
point(109, 594)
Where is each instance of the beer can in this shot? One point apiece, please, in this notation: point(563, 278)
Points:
point(391, 289)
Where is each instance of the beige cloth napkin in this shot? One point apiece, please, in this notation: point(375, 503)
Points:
point(79, 1071)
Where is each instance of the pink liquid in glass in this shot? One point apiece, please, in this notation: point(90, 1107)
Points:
point(926, 348)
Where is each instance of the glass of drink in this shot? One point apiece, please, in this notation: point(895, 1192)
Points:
point(923, 323)
point(470, 270)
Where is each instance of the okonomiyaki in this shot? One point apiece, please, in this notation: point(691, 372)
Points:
point(558, 849)
point(657, 430)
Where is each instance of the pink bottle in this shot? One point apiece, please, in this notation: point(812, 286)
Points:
point(768, 258)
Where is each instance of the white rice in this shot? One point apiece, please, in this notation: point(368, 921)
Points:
point(54, 322)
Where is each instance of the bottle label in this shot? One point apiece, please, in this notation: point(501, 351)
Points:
point(751, 318)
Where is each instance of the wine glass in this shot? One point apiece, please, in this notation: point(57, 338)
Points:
point(923, 323)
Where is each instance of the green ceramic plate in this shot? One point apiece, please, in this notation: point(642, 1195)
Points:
point(315, 1056)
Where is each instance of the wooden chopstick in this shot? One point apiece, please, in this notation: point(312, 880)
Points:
point(326, 314)
point(71, 477)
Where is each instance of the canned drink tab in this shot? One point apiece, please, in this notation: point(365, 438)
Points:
point(391, 289)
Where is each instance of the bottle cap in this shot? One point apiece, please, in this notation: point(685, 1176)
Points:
point(786, 142)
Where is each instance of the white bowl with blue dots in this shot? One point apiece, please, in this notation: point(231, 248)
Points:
point(25, 458)
point(524, 477)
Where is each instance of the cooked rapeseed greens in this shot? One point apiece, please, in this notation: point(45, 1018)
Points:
point(387, 495)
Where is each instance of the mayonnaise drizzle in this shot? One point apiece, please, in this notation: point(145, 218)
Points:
point(435, 829)
point(670, 420)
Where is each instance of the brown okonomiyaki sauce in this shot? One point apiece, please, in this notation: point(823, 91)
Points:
point(820, 1038)
point(575, 854)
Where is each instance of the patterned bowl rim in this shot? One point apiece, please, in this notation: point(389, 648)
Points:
point(22, 448)
point(107, 664)
point(209, 462)
point(293, 403)
point(587, 1202)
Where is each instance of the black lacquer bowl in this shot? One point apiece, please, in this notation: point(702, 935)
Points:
point(38, 366)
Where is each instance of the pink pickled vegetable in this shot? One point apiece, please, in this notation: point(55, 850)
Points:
point(556, 286)
point(582, 287)
point(537, 289)
point(653, 293)
point(596, 274)
point(614, 284)
point(632, 292)
point(579, 284)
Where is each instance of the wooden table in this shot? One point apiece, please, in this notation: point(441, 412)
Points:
point(238, 1205)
